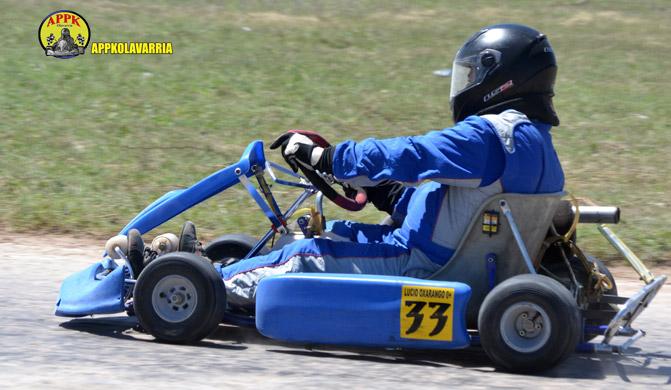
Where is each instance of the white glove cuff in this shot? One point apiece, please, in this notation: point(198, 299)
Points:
point(316, 155)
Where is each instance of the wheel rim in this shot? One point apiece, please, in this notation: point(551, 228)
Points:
point(174, 298)
point(525, 327)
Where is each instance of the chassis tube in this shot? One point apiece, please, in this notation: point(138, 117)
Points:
point(624, 250)
point(518, 236)
point(294, 206)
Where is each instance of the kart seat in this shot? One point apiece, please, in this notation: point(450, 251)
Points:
point(483, 258)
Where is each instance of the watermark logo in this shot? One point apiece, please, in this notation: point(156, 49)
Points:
point(64, 34)
point(131, 48)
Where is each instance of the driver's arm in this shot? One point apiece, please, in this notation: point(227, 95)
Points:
point(469, 154)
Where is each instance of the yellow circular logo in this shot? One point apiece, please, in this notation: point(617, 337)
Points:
point(64, 34)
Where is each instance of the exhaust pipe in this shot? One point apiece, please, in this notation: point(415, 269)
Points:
point(597, 214)
point(563, 218)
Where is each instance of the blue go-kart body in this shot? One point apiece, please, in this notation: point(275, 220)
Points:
point(441, 312)
point(355, 310)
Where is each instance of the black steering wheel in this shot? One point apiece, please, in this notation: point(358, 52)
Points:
point(356, 203)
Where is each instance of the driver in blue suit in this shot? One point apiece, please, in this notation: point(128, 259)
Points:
point(432, 184)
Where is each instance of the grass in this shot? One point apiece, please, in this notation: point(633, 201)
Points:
point(86, 143)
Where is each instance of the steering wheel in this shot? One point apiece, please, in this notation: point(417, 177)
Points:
point(355, 204)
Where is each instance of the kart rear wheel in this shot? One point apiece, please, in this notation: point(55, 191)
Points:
point(230, 248)
point(179, 298)
point(529, 323)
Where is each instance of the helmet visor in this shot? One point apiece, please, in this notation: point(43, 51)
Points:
point(469, 71)
point(463, 76)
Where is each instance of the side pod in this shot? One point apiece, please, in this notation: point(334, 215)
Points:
point(363, 310)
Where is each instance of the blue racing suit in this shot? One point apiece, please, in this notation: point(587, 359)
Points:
point(460, 167)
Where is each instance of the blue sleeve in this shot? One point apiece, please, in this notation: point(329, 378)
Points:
point(468, 154)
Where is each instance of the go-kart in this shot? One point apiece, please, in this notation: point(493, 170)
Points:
point(518, 285)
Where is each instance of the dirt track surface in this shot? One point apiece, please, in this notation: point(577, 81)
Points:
point(40, 350)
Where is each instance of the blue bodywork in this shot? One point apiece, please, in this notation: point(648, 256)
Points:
point(93, 290)
point(361, 310)
point(86, 292)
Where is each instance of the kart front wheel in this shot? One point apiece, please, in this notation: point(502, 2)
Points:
point(179, 298)
point(529, 323)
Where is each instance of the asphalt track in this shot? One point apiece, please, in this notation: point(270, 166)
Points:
point(39, 350)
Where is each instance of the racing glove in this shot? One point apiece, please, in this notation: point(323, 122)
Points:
point(299, 149)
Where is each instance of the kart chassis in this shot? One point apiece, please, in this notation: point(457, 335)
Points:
point(253, 163)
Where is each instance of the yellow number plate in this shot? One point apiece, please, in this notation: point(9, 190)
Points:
point(426, 313)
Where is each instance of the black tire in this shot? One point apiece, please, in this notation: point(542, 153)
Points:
point(230, 248)
point(152, 305)
point(540, 348)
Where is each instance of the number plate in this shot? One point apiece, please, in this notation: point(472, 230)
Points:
point(426, 313)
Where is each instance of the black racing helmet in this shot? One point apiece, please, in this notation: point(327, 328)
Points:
point(505, 66)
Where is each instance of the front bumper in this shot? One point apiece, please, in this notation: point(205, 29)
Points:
point(92, 291)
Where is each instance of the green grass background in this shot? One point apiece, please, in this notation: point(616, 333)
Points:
point(86, 143)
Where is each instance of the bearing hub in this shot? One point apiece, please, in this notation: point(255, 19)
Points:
point(174, 298)
point(525, 327)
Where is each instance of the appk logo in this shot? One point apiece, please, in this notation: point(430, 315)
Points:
point(64, 34)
